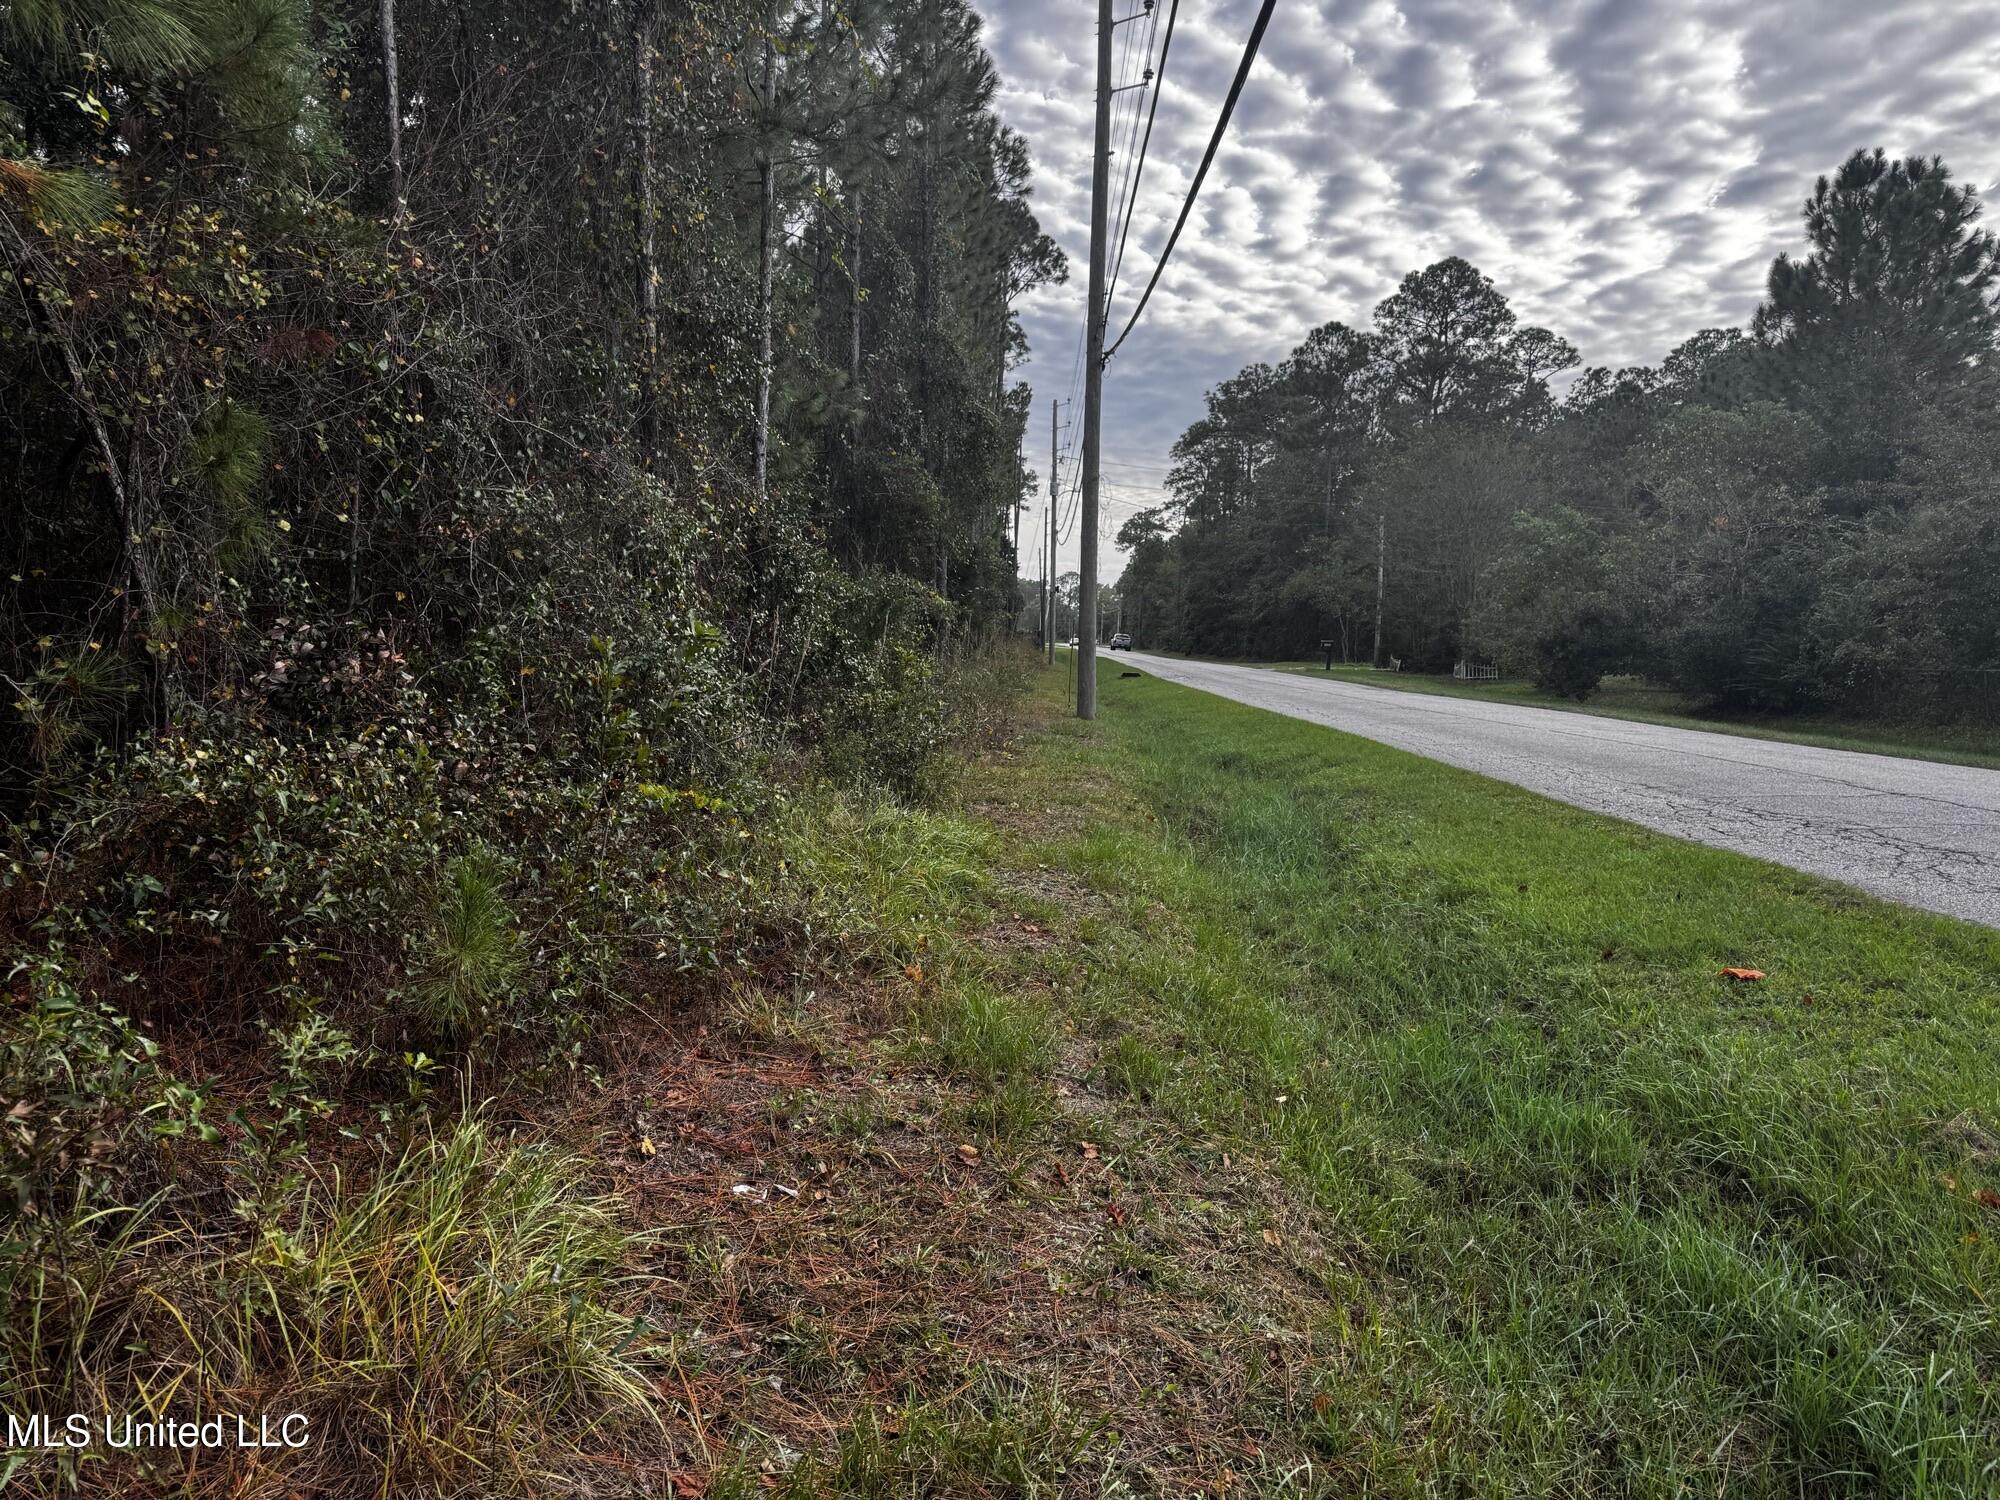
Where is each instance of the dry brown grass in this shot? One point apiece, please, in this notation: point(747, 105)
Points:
point(902, 1247)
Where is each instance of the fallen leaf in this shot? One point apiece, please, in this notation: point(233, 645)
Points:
point(1322, 1404)
point(1272, 1239)
point(914, 973)
point(1115, 1212)
point(1950, 1182)
point(1090, 1151)
point(1743, 974)
point(691, 1485)
point(1249, 1449)
point(969, 1151)
point(646, 1147)
point(1987, 1198)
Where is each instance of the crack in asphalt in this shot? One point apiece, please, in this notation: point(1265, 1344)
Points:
point(1918, 832)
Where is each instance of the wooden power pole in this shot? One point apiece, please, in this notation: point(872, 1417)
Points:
point(1020, 505)
point(1049, 550)
point(1093, 376)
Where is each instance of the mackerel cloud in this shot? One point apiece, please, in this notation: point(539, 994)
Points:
point(1624, 170)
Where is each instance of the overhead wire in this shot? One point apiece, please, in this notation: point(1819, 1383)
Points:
point(1128, 183)
point(1124, 74)
point(1137, 142)
point(1159, 80)
point(1201, 172)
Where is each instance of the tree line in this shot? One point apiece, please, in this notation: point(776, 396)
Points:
point(484, 482)
point(1804, 513)
point(484, 330)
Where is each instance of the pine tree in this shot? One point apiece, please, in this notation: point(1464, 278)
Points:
point(1891, 312)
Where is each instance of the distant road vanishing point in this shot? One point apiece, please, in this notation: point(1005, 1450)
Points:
point(1913, 831)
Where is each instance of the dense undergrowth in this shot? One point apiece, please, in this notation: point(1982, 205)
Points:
point(273, 1133)
point(278, 1022)
point(461, 592)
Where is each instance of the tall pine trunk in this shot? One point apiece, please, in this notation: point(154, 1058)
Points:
point(393, 98)
point(854, 300)
point(645, 216)
point(766, 207)
point(1381, 576)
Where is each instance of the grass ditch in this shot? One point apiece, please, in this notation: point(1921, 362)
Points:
point(1614, 1224)
point(1279, 1114)
point(1215, 1104)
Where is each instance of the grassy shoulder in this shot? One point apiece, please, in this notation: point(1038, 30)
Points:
point(1630, 698)
point(1254, 1110)
point(1203, 1103)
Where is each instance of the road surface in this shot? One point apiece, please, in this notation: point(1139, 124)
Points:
point(1911, 830)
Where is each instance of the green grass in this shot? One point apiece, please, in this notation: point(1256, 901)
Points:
point(443, 1321)
point(1632, 698)
point(993, 1439)
point(1600, 1222)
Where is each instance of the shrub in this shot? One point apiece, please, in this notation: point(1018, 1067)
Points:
point(76, 1076)
point(470, 957)
point(875, 714)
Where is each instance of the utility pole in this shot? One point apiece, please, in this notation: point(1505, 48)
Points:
point(1049, 555)
point(1041, 605)
point(1093, 376)
point(1048, 646)
point(1020, 443)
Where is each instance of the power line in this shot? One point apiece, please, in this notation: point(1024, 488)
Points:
point(1072, 431)
point(1068, 526)
point(1128, 180)
point(1139, 166)
point(1214, 141)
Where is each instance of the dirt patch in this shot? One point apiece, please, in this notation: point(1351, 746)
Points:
point(833, 1246)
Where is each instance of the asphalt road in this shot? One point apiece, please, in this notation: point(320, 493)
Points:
point(1911, 830)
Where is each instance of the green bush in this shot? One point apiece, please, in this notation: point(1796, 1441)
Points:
point(470, 957)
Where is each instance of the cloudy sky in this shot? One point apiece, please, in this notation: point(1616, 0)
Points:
point(1623, 169)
